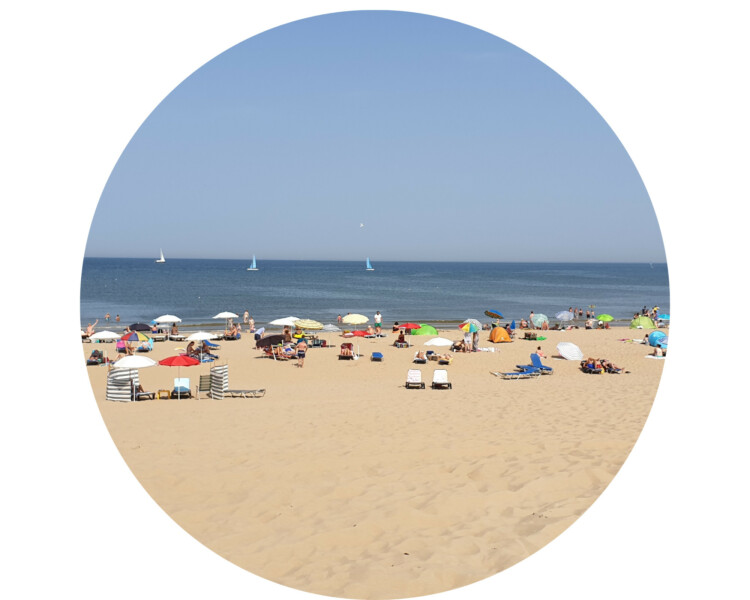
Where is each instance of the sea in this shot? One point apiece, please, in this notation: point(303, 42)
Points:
point(438, 293)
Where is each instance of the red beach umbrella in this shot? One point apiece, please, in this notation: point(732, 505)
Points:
point(410, 326)
point(181, 360)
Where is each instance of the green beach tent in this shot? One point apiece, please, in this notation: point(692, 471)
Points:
point(643, 322)
point(424, 329)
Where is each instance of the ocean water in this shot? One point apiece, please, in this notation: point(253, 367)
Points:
point(140, 290)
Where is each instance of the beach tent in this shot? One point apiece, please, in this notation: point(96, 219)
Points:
point(498, 335)
point(424, 329)
point(655, 338)
point(642, 322)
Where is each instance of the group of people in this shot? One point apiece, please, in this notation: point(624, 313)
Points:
point(652, 313)
point(600, 365)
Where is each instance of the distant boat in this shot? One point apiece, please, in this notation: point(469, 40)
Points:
point(161, 258)
point(369, 267)
point(253, 266)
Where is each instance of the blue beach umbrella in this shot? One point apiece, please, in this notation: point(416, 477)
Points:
point(655, 337)
point(495, 314)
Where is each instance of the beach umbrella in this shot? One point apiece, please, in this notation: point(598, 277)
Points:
point(474, 321)
point(409, 326)
point(105, 335)
point(425, 329)
point(539, 320)
point(270, 340)
point(565, 315)
point(663, 318)
point(200, 336)
point(308, 324)
point(139, 327)
point(569, 351)
point(470, 327)
point(513, 325)
point(133, 362)
point(330, 327)
point(226, 315)
point(439, 341)
point(355, 319)
point(167, 319)
point(495, 314)
point(605, 318)
point(285, 322)
point(179, 361)
point(135, 336)
point(663, 342)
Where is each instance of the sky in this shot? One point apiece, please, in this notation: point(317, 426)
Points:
point(392, 135)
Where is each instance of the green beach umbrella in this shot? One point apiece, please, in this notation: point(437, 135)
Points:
point(425, 329)
point(605, 318)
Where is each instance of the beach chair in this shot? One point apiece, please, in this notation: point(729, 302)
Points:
point(440, 380)
point(431, 355)
point(591, 370)
point(377, 357)
point(246, 393)
point(148, 348)
point(418, 360)
point(414, 379)
point(350, 354)
point(445, 361)
point(181, 388)
point(536, 363)
point(527, 374)
point(144, 395)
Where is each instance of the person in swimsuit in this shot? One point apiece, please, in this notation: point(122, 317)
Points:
point(378, 322)
point(301, 351)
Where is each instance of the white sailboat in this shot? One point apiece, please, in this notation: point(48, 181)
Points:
point(369, 267)
point(253, 267)
point(161, 258)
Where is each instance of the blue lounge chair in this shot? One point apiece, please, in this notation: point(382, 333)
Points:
point(525, 374)
point(181, 388)
point(536, 363)
point(377, 356)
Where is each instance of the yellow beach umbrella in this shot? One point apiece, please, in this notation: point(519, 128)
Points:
point(355, 319)
point(309, 324)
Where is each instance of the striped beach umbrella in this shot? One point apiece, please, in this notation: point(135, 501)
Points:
point(135, 336)
point(309, 324)
point(470, 327)
point(539, 320)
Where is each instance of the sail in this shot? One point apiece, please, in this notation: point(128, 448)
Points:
point(253, 267)
point(369, 266)
point(161, 256)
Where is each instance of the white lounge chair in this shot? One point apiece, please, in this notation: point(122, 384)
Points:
point(414, 379)
point(440, 380)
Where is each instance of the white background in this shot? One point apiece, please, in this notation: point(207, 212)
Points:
point(80, 77)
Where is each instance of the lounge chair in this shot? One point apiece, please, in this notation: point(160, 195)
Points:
point(350, 347)
point(591, 369)
point(148, 347)
point(377, 356)
point(528, 374)
point(445, 361)
point(144, 395)
point(414, 379)
point(419, 360)
point(440, 380)
point(246, 393)
point(181, 388)
point(431, 355)
point(536, 363)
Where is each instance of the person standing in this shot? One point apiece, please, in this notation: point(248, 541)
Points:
point(251, 324)
point(378, 323)
point(117, 318)
point(106, 317)
point(246, 317)
point(301, 349)
point(531, 320)
point(475, 341)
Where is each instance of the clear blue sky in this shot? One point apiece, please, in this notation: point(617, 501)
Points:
point(446, 142)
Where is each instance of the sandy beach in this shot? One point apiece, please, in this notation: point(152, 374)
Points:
point(340, 481)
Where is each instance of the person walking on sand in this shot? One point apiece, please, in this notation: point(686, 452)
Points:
point(301, 351)
point(378, 323)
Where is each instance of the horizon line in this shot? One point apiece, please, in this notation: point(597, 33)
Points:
point(582, 262)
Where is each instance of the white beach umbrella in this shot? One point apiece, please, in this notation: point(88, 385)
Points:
point(199, 336)
point(330, 327)
point(226, 315)
point(439, 341)
point(565, 315)
point(105, 335)
point(310, 324)
point(133, 362)
point(167, 319)
point(569, 351)
point(285, 322)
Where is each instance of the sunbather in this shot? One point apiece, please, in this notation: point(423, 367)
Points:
point(396, 328)
point(175, 330)
point(346, 350)
point(190, 350)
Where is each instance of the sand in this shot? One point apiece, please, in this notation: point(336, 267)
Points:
point(340, 481)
